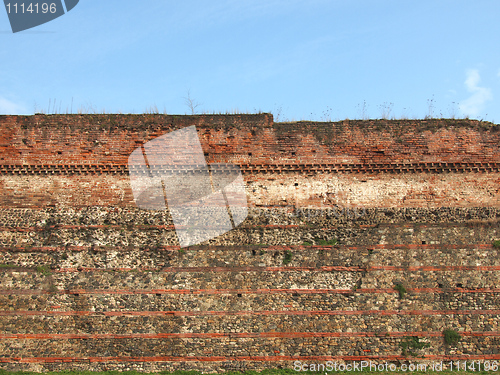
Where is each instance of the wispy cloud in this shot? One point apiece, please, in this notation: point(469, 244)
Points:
point(8, 107)
point(474, 104)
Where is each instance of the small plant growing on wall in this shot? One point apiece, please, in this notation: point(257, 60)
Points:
point(332, 242)
point(451, 337)
point(6, 266)
point(52, 288)
point(288, 257)
point(44, 270)
point(401, 290)
point(496, 244)
point(410, 344)
point(357, 285)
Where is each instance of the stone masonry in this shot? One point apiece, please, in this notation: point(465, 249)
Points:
point(365, 240)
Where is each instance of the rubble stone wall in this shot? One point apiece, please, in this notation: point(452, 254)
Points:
point(361, 236)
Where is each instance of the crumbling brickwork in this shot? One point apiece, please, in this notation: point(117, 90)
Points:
point(339, 214)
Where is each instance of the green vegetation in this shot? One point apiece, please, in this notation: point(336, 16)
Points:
point(451, 337)
point(52, 289)
point(288, 257)
point(357, 285)
point(332, 242)
point(44, 270)
point(321, 242)
point(496, 244)
point(7, 266)
point(401, 289)
point(410, 344)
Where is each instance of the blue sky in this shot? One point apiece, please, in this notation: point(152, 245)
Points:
point(299, 59)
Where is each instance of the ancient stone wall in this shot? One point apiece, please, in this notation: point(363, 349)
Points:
point(339, 215)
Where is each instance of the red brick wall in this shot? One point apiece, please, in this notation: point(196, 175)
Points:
point(80, 160)
point(242, 139)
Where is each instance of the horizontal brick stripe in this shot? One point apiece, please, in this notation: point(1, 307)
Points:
point(244, 291)
point(205, 269)
point(42, 249)
point(436, 167)
point(251, 313)
point(275, 358)
point(434, 268)
point(141, 227)
point(424, 246)
point(98, 336)
point(78, 227)
point(69, 169)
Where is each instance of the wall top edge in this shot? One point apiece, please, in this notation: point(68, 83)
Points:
point(260, 120)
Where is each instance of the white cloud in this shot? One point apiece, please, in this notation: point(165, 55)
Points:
point(8, 107)
point(474, 104)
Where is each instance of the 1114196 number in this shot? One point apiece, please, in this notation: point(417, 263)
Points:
point(31, 8)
